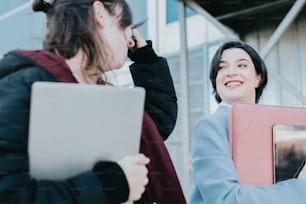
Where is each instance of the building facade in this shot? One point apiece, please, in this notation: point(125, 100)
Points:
point(21, 28)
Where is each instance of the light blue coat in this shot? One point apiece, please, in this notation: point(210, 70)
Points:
point(214, 177)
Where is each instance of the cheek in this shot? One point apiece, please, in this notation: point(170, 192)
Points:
point(219, 80)
point(128, 34)
point(255, 80)
point(219, 86)
point(121, 40)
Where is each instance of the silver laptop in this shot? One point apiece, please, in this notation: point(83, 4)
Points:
point(72, 126)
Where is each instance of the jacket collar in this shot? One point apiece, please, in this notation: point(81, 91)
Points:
point(52, 63)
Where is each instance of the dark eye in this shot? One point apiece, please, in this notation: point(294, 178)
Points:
point(221, 66)
point(242, 65)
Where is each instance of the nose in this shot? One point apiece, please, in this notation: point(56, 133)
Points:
point(231, 70)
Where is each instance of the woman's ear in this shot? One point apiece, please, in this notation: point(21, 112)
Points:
point(258, 80)
point(99, 12)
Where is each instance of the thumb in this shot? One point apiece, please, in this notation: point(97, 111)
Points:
point(142, 159)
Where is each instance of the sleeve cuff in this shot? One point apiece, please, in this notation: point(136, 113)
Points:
point(144, 54)
point(114, 182)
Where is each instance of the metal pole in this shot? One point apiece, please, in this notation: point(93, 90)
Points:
point(253, 10)
point(157, 25)
point(184, 98)
point(15, 10)
point(289, 18)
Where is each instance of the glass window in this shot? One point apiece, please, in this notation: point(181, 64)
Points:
point(172, 11)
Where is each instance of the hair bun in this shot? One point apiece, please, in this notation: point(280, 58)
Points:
point(41, 5)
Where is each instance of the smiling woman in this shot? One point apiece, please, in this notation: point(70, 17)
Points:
point(237, 74)
point(234, 58)
point(237, 78)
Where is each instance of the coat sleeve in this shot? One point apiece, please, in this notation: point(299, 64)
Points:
point(152, 72)
point(105, 184)
point(215, 179)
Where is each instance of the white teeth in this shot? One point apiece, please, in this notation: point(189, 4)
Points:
point(233, 84)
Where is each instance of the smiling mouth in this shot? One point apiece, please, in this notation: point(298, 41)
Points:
point(231, 84)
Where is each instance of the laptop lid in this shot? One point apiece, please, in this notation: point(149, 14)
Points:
point(72, 126)
point(250, 135)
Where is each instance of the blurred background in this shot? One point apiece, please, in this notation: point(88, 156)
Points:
point(187, 33)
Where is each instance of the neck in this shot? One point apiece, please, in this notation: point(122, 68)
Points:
point(77, 67)
point(225, 104)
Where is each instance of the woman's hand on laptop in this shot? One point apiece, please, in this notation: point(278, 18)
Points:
point(136, 172)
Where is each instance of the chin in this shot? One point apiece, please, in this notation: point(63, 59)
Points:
point(117, 66)
point(120, 63)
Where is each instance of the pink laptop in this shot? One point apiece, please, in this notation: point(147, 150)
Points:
point(251, 138)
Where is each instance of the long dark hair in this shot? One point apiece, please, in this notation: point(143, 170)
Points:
point(71, 26)
point(258, 62)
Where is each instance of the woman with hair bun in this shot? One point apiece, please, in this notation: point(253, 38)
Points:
point(84, 39)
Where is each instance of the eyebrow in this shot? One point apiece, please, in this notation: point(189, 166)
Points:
point(242, 59)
